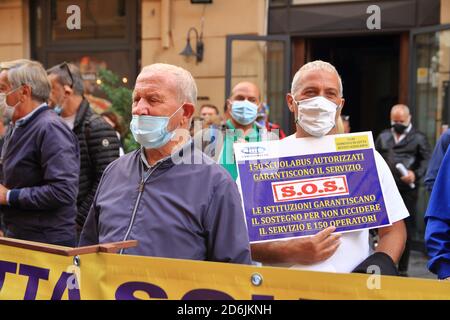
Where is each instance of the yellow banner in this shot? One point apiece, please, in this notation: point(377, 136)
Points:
point(27, 274)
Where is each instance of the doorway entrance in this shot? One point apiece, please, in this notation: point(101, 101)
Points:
point(369, 67)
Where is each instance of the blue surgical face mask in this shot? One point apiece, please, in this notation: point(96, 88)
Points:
point(244, 112)
point(150, 131)
point(58, 109)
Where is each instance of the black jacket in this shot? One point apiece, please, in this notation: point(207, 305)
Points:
point(413, 151)
point(99, 146)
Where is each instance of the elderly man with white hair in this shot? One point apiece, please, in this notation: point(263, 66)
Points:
point(40, 161)
point(188, 209)
point(316, 100)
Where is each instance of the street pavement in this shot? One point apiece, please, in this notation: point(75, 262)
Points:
point(418, 266)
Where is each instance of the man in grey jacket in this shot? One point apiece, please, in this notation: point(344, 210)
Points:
point(169, 196)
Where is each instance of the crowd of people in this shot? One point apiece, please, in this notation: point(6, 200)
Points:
point(65, 179)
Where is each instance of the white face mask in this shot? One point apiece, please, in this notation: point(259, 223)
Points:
point(317, 116)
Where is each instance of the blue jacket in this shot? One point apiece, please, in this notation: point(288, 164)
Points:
point(437, 218)
point(184, 211)
point(41, 166)
point(436, 160)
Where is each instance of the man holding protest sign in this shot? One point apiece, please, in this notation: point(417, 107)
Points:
point(316, 100)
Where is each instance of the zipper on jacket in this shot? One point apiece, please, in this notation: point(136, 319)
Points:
point(136, 204)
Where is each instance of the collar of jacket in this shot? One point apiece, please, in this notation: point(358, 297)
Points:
point(81, 113)
point(38, 111)
point(408, 136)
point(168, 162)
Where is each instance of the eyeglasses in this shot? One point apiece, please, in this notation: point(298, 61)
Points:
point(65, 65)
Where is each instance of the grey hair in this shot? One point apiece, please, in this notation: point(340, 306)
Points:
point(31, 73)
point(6, 65)
point(63, 77)
point(315, 65)
point(185, 83)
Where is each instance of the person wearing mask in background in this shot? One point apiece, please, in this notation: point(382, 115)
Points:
point(244, 102)
point(403, 145)
point(316, 100)
point(177, 202)
point(98, 142)
point(39, 162)
point(6, 117)
point(436, 159)
point(4, 124)
point(116, 123)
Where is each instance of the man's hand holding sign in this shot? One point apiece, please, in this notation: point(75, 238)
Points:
point(306, 251)
point(298, 192)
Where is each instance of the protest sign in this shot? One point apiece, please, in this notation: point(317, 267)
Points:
point(297, 187)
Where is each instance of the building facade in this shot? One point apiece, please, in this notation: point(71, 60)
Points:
point(125, 35)
point(405, 60)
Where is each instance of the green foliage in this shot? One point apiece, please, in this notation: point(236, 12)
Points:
point(121, 99)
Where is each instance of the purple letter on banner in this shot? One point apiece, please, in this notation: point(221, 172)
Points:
point(126, 291)
point(206, 294)
point(6, 266)
point(34, 275)
point(61, 285)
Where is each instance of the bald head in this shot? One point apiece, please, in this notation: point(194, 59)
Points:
point(400, 114)
point(246, 91)
point(400, 108)
point(314, 67)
